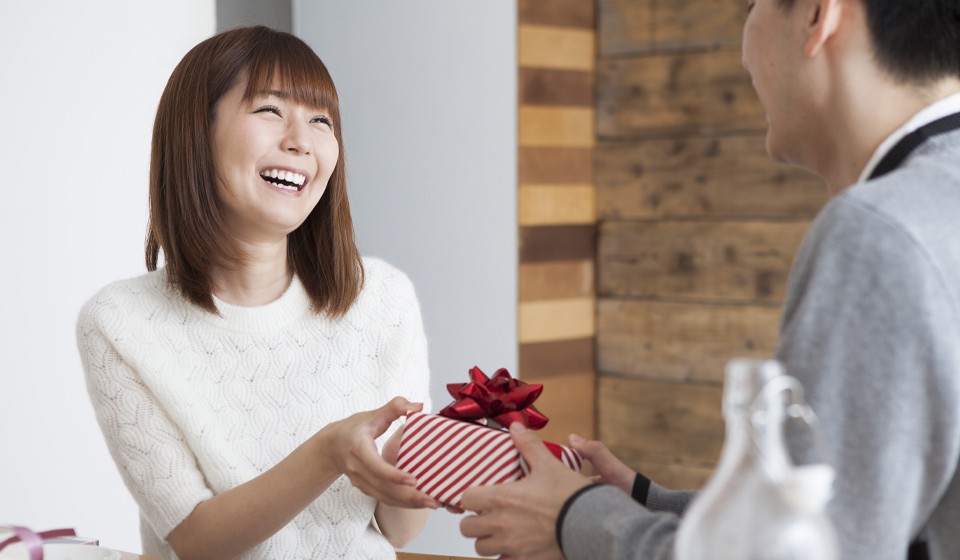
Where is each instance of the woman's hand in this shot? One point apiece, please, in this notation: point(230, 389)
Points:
point(353, 452)
point(391, 449)
point(612, 470)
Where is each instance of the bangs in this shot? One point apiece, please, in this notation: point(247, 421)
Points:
point(288, 65)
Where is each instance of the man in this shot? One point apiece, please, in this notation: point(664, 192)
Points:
point(865, 93)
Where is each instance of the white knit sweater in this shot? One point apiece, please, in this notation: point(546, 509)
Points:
point(192, 404)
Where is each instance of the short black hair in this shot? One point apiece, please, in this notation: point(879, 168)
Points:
point(916, 41)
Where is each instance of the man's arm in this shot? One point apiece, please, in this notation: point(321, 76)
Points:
point(524, 519)
point(871, 334)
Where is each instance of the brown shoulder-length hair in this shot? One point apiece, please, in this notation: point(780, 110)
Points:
point(186, 219)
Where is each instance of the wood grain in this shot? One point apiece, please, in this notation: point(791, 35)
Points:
point(560, 48)
point(556, 127)
point(714, 261)
point(690, 93)
point(681, 341)
point(662, 422)
point(563, 13)
point(541, 205)
point(640, 26)
point(555, 165)
point(557, 243)
point(556, 280)
point(549, 359)
point(568, 401)
point(675, 476)
point(701, 177)
point(557, 319)
point(539, 86)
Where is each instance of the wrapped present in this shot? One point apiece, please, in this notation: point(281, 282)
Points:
point(467, 443)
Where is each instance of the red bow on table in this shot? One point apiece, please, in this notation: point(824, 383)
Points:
point(502, 398)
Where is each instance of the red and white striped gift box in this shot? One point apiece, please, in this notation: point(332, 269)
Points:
point(448, 456)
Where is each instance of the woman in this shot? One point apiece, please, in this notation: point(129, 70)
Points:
point(231, 384)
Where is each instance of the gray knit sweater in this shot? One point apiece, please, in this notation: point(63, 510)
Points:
point(871, 327)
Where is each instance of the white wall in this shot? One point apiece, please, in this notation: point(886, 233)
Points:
point(80, 86)
point(428, 95)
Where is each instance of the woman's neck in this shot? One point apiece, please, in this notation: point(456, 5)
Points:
point(262, 279)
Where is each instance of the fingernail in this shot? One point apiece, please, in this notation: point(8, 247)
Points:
point(518, 428)
point(576, 439)
point(432, 504)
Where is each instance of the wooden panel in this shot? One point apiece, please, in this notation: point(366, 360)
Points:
point(563, 13)
point(681, 341)
point(693, 93)
point(641, 26)
point(548, 359)
point(541, 205)
point(559, 127)
point(556, 87)
point(663, 422)
point(556, 165)
point(555, 47)
point(718, 261)
point(568, 401)
point(624, 26)
point(557, 319)
point(557, 243)
point(556, 280)
point(675, 476)
point(725, 177)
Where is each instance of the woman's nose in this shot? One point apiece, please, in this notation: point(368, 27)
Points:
point(297, 139)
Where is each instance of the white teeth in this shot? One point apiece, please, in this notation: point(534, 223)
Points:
point(288, 176)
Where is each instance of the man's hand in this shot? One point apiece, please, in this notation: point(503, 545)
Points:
point(612, 470)
point(519, 519)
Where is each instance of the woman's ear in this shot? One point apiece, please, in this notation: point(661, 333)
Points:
point(822, 20)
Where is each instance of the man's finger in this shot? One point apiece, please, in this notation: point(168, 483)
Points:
point(531, 448)
point(476, 526)
point(478, 498)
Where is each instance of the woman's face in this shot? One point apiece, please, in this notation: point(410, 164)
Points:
point(273, 158)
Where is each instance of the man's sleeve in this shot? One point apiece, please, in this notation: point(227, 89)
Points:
point(603, 523)
point(872, 334)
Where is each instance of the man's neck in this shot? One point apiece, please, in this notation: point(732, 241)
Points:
point(869, 109)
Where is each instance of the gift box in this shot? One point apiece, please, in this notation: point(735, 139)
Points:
point(467, 444)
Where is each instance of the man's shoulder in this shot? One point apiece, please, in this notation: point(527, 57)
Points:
point(896, 234)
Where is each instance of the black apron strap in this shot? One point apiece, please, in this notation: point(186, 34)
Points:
point(902, 149)
point(893, 159)
point(918, 551)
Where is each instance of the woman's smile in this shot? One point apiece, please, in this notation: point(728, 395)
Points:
point(284, 178)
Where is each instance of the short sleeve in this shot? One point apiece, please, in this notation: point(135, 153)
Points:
point(154, 461)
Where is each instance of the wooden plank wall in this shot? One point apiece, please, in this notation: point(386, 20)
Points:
point(697, 229)
point(557, 210)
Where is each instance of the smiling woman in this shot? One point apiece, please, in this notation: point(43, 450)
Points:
point(237, 384)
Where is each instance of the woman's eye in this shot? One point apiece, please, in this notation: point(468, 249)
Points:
point(324, 120)
point(268, 109)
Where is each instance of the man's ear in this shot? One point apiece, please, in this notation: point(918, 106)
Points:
point(822, 21)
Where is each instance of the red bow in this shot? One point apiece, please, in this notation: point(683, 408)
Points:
point(503, 399)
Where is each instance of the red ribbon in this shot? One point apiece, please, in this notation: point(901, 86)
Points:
point(502, 398)
point(34, 541)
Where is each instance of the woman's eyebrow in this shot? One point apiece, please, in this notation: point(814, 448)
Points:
point(273, 93)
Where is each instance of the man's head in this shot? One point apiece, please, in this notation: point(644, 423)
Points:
point(917, 41)
point(818, 65)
